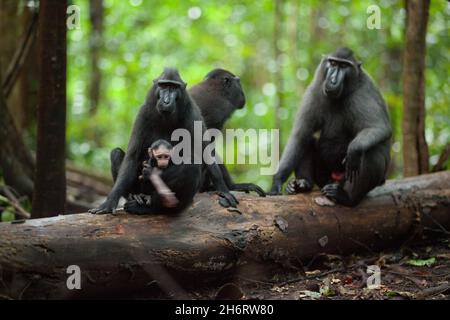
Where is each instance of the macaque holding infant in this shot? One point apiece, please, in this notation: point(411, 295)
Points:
point(160, 154)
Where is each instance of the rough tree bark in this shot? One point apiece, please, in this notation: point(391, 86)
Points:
point(127, 256)
point(415, 149)
point(49, 194)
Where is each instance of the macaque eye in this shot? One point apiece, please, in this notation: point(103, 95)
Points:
point(343, 65)
point(333, 63)
point(226, 80)
point(166, 86)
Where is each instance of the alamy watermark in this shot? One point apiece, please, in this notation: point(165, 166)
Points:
point(74, 280)
point(73, 19)
point(374, 280)
point(255, 146)
point(374, 19)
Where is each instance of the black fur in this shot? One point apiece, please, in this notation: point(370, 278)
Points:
point(342, 126)
point(167, 107)
point(218, 96)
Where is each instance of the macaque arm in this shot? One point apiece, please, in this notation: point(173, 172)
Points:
point(162, 189)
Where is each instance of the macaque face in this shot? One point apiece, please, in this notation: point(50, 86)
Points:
point(162, 157)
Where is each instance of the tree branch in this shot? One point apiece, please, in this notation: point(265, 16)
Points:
point(207, 244)
point(20, 55)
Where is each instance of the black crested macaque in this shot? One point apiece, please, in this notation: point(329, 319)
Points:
point(218, 96)
point(168, 106)
point(341, 137)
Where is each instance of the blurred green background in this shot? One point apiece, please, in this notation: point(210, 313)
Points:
point(275, 52)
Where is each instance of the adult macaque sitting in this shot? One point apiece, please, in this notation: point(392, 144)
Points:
point(159, 159)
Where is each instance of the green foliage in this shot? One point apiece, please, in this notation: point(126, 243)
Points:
point(7, 212)
point(421, 262)
point(141, 37)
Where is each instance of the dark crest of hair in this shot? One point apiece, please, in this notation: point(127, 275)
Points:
point(217, 73)
point(344, 53)
point(161, 142)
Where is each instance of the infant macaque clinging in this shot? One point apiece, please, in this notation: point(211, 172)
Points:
point(160, 154)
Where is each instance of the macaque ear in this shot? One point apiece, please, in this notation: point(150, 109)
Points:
point(150, 153)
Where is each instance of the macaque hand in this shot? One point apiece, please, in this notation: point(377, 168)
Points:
point(169, 200)
point(146, 172)
point(352, 163)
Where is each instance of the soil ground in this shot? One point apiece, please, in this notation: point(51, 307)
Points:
point(419, 272)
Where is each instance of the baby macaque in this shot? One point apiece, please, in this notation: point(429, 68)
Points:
point(160, 154)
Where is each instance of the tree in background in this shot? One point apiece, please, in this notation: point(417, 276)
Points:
point(16, 99)
point(95, 43)
point(415, 149)
point(16, 161)
point(49, 196)
point(277, 34)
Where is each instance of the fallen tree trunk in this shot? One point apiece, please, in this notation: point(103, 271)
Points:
point(124, 254)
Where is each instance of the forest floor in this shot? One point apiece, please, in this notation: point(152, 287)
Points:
point(420, 272)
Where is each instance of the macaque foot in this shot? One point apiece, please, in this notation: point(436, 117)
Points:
point(298, 186)
point(227, 200)
point(276, 188)
point(335, 192)
point(248, 187)
point(134, 207)
point(104, 208)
